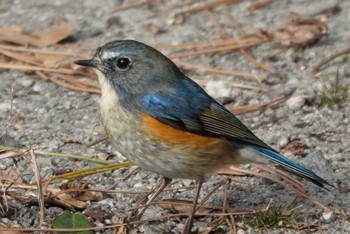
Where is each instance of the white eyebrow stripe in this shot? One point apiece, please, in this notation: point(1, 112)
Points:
point(110, 54)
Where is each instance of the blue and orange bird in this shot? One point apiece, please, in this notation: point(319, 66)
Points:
point(164, 122)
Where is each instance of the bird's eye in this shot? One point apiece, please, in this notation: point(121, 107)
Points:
point(123, 63)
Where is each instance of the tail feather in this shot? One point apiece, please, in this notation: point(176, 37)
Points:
point(290, 165)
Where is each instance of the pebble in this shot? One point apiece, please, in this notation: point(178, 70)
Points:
point(327, 216)
point(39, 87)
point(218, 89)
point(296, 102)
point(24, 82)
point(283, 142)
point(5, 106)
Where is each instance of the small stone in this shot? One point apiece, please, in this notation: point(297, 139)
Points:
point(296, 102)
point(39, 87)
point(283, 142)
point(8, 140)
point(67, 105)
point(187, 182)
point(327, 216)
point(5, 220)
point(4, 107)
point(219, 89)
point(24, 82)
point(102, 155)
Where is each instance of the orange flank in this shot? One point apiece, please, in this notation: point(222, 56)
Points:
point(168, 134)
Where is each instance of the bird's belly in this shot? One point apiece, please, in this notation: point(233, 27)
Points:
point(182, 162)
point(176, 159)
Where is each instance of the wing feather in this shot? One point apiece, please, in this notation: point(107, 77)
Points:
point(188, 107)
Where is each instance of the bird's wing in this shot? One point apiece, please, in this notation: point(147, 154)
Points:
point(188, 107)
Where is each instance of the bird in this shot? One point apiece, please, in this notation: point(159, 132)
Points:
point(164, 122)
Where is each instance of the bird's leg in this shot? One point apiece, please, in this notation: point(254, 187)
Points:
point(189, 221)
point(155, 194)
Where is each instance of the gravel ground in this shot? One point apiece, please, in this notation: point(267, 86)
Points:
point(48, 117)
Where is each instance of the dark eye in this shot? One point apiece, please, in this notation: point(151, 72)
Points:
point(123, 63)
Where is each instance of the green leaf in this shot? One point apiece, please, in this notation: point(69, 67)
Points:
point(70, 220)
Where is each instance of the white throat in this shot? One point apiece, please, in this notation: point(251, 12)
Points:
point(109, 97)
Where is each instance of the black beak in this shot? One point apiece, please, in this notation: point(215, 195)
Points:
point(87, 63)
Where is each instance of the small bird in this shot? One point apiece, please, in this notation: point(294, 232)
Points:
point(164, 122)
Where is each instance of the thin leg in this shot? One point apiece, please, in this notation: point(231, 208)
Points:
point(189, 222)
point(142, 210)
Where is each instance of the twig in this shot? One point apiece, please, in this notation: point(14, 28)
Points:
point(97, 142)
point(258, 4)
point(81, 84)
point(217, 24)
point(207, 6)
point(258, 64)
point(174, 6)
point(286, 185)
point(36, 68)
point(40, 194)
point(41, 51)
point(232, 84)
point(89, 171)
point(243, 109)
point(75, 84)
point(233, 22)
point(118, 224)
point(259, 77)
point(21, 57)
point(131, 5)
point(215, 50)
point(199, 44)
point(74, 156)
point(205, 199)
point(72, 87)
point(245, 52)
point(326, 60)
point(296, 183)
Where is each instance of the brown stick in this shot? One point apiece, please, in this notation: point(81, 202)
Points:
point(326, 60)
point(209, 6)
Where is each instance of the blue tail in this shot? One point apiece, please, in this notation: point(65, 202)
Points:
point(290, 165)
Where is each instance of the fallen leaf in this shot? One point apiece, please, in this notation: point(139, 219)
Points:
point(10, 176)
point(38, 38)
point(70, 220)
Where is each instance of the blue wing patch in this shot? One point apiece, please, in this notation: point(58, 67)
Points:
point(180, 106)
point(187, 106)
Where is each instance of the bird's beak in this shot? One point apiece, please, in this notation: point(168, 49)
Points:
point(87, 63)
